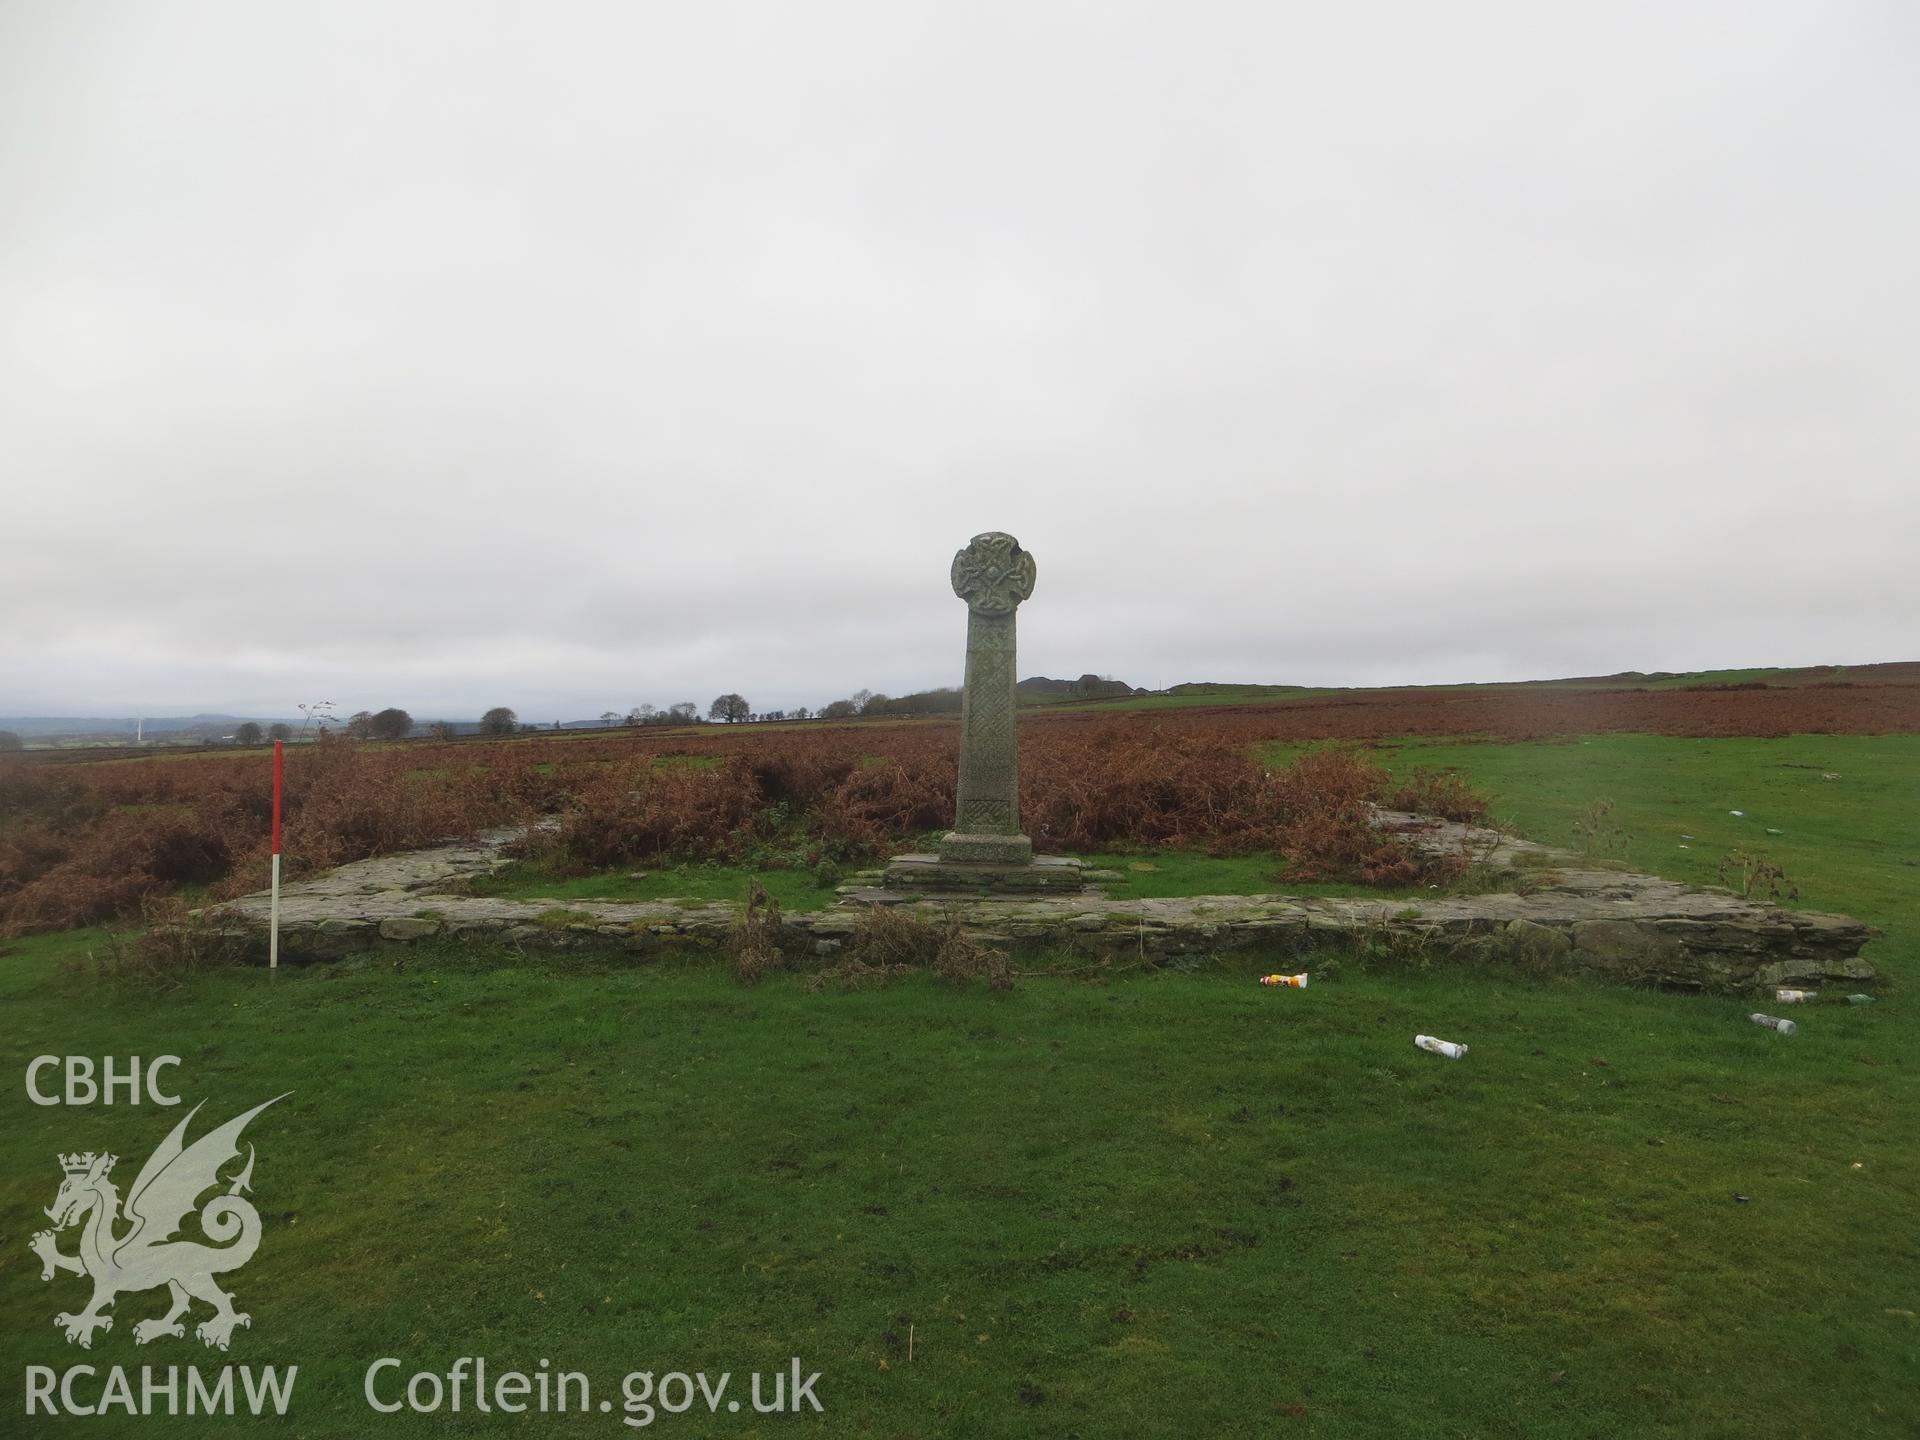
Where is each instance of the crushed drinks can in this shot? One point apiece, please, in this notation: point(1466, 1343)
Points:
point(1440, 1047)
point(1292, 982)
point(1774, 1022)
point(1796, 997)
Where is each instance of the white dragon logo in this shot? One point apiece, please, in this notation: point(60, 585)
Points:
point(146, 1256)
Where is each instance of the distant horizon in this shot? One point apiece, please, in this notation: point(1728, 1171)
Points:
point(340, 715)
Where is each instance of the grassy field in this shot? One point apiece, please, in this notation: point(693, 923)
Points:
point(1187, 697)
point(1183, 697)
point(1176, 1204)
point(1851, 843)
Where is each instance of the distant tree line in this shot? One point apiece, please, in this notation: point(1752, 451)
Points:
point(942, 701)
point(685, 713)
point(392, 723)
point(249, 732)
point(731, 708)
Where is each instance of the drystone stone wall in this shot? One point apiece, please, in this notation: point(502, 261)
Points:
point(1567, 919)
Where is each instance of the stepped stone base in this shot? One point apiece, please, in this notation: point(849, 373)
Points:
point(959, 849)
point(1048, 873)
point(1566, 919)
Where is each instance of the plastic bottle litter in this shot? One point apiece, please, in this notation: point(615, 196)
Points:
point(1796, 997)
point(1774, 1022)
point(1292, 982)
point(1741, 813)
point(1859, 999)
point(1440, 1047)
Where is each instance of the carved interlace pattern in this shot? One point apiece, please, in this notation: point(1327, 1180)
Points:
point(993, 574)
point(986, 817)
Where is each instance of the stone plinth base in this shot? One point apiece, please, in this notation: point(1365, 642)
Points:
point(960, 849)
point(937, 872)
point(1606, 923)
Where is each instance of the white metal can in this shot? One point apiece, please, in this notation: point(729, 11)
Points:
point(1440, 1047)
point(1795, 997)
point(1774, 1022)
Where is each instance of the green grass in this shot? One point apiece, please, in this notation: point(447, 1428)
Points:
point(647, 1167)
point(1184, 697)
point(1171, 874)
point(1178, 1204)
point(688, 762)
point(1851, 844)
point(1192, 696)
point(560, 918)
point(793, 889)
point(1756, 675)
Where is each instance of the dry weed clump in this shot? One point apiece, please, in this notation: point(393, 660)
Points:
point(891, 941)
point(753, 939)
point(961, 958)
point(893, 937)
point(1748, 874)
point(173, 945)
point(1597, 835)
point(886, 944)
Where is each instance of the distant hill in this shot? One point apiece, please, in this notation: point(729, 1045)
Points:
point(37, 727)
point(1087, 687)
point(1221, 687)
point(87, 731)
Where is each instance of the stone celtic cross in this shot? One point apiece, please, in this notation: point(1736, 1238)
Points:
point(993, 575)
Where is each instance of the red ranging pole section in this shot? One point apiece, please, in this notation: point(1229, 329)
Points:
point(273, 906)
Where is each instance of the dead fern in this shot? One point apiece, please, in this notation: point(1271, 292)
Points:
point(1444, 793)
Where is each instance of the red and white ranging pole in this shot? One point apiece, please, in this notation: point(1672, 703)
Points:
point(273, 906)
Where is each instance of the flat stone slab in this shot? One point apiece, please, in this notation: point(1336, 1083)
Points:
point(934, 872)
point(1574, 919)
point(423, 872)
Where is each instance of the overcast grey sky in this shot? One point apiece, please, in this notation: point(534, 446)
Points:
point(572, 356)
